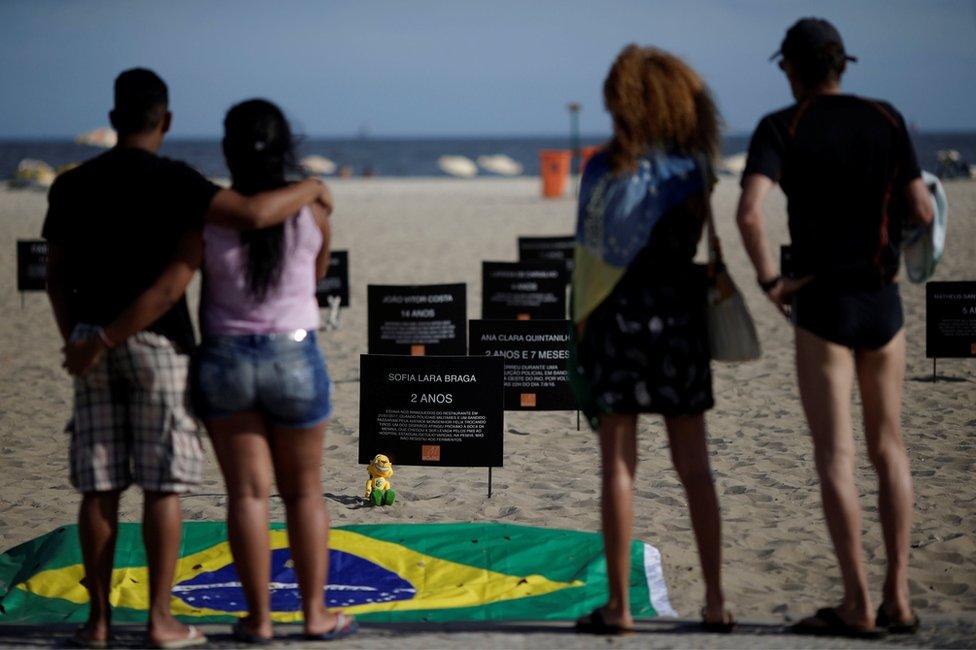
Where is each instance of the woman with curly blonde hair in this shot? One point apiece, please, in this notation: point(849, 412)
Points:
point(639, 306)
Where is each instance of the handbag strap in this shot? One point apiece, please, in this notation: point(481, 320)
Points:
point(715, 258)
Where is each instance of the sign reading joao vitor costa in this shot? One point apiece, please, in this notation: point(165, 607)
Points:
point(950, 319)
point(418, 320)
point(532, 249)
point(535, 353)
point(431, 410)
point(31, 265)
point(335, 284)
point(523, 290)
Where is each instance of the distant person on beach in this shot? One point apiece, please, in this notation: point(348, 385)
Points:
point(851, 178)
point(639, 307)
point(113, 224)
point(260, 381)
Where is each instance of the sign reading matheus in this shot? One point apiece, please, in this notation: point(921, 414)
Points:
point(523, 290)
point(431, 410)
point(31, 265)
point(950, 319)
point(533, 249)
point(418, 319)
point(535, 353)
point(335, 284)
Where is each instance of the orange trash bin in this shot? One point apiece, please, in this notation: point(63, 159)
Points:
point(554, 170)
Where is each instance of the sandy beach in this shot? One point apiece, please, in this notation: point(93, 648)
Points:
point(778, 561)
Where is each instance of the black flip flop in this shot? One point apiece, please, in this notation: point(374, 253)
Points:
point(345, 626)
point(594, 623)
point(882, 620)
point(242, 635)
point(827, 622)
point(82, 639)
point(723, 627)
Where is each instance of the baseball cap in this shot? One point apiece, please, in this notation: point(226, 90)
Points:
point(808, 36)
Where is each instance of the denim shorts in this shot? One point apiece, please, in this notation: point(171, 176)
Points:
point(282, 376)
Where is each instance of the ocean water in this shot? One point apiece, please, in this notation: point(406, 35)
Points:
point(406, 156)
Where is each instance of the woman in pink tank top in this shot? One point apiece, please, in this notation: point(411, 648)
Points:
point(260, 382)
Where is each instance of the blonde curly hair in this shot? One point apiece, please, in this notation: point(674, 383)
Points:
point(657, 101)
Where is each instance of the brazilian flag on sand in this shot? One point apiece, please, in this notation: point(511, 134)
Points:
point(389, 572)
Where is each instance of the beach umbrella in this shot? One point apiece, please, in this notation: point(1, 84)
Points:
point(734, 164)
point(33, 173)
point(500, 164)
point(457, 166)
point(103, 137)
point(319, 165)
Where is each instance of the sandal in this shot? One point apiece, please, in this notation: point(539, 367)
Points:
point(827, 622)
point(726, 625)
point(242, 635)
point(82, 639)
point(594, 623)
point(193, 638)
point(882, 620)
point(345, 626)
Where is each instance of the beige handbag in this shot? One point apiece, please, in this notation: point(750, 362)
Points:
point(731, 332)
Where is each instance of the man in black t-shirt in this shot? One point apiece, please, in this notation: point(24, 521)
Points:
point(849, 172)
point(113, 225)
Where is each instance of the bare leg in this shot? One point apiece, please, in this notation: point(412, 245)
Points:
point(241, 444)
point(825, 373)
point(161, 530)
point(297, 457)
point(689, 452)
point(98, 527)
point(880, 375)
point(618, 453)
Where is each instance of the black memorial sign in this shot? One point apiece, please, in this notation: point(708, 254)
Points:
point(335, 284)
point(532, 249)
point(418, 319)
point(950, 319)
point(431, 410)
point(523, 290)
point(31, 265)
point(535, 353)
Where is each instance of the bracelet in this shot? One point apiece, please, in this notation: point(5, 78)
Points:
point(768, 285)
point(104, 338)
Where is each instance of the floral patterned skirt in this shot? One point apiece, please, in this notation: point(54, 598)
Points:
point(645, 348)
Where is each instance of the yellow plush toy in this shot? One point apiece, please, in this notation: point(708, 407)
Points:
point(379, 492)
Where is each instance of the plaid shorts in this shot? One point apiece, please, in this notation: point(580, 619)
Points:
point(132, 421)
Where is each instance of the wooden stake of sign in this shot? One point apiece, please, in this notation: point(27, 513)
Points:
point(489, 482)
point(934, 375)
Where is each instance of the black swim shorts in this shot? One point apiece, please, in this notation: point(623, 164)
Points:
point(858, 319)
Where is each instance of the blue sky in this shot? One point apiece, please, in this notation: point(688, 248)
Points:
point(421, 68)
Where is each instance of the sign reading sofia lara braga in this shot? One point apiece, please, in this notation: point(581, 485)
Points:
point(31, 265)
point(535, 353)
point(335, 284)
point(950, 319)
point(523, 290)
point(417, 320)
point(532, 249)
point(431, 410)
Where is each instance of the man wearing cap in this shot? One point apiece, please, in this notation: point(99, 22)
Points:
point(851, 178)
